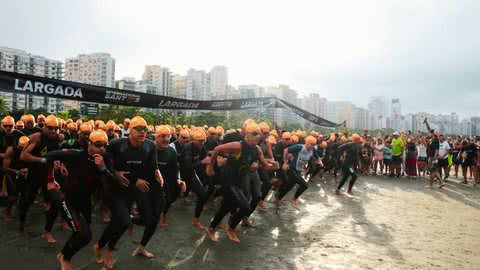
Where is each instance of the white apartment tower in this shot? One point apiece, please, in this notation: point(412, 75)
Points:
point(219, 82)
point(159, 76)
point(95, 68)
point(15, 60)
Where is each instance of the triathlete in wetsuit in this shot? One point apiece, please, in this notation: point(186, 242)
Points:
point(86, 171)
point(168, 164)
point(138, 179)
point(16, 172)
point(193, 159)
point(242, 165)
point(41, 143)
point(352, 152)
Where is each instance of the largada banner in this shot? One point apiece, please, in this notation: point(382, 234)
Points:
point(52, 88)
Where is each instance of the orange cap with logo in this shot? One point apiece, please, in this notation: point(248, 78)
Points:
point(51, 121)
point(264, 127)
point(116, 128)
point(295, 138)
point(8, 120)
point(286, 135)
point(219, 130)
point(137, 121)
point(23, 141)
point(98, 136)
point(310, 140)
point(20, 123)
point(271, 140)
point(355, 137)
point(212, 131)
point(252, 127)
point(162, 130)
point(110, 124)
point(199, 135)
point(184, 133)
point(72, 126)
point(86, 127)
point(28, 118)
point(40, 117)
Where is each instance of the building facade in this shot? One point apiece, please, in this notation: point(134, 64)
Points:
point(20, 61)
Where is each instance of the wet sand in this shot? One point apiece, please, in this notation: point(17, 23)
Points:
point(387, 224)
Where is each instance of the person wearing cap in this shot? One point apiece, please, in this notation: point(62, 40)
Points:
point(40, 121)
point(295, 160)
point(352, 151)
point(16, 172)
point(168, 164)
point(81, 141)
point(30, 128)
point(240, 180)
point(398, 148)
point(138, 179)
point(264, 175)
point(278, 156)
point(8, 135)
point(193, 158)
point(110, 126)
point(212, 139)
point(125, 129)
point(87, 169)
point(35, 153)
point(19, 125)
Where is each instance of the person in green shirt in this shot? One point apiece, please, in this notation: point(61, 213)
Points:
point(397, 151)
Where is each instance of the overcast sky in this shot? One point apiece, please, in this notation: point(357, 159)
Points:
point(427, 53)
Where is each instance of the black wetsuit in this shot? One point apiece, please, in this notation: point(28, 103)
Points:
point(75, 197)
point(16, 183)
point(211, 143)
point(349, 167)
point(37, 178)
point(141, 163)
point(30, 131)
point(193, 172)
point(168, 164)
point(236, 178)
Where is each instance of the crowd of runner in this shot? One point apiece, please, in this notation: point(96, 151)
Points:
point(133, 172)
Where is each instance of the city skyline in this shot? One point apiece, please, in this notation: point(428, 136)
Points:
point(343, 51)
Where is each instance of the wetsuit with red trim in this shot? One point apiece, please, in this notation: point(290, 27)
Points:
point(75, 197)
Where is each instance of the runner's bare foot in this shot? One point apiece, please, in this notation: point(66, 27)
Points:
point(49, 237)
point(141, 251)
point(163, 221)
point(261, 204)
point(441, 186)
point(64, 264)
point(106, 217)
point(196, 223)
point(108, 259)
point(294, 203)
point(98, 254)
point(246, 222)
point(337, 192)
point(232, 235)
point(65, 226)
point(278, 203)
point(212, 234)
point(350, 192)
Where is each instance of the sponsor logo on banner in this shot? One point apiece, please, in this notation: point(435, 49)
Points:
point(221, 104)
point(178, 104)
point(255, 104)
point(122, 97)
point(47, 88)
